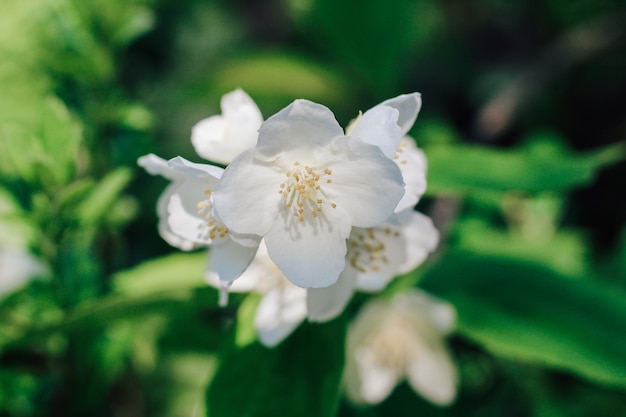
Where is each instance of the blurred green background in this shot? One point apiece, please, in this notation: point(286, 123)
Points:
point(523, 125)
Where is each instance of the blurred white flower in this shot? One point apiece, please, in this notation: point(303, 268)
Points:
point(186, 220)
point(397, 339)
point(17, 268)
point(401, 148)
point(304, 186)
point(222, 137)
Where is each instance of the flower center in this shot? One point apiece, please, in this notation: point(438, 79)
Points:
point(366, 249)
point(302, 192)
point(214, 228)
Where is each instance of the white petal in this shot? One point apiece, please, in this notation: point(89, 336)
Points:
point(165, 230)
point(379, 127)
point(367, 379)
point(246, 198)
point(412, 163)
point(155, 165)
point(377, 253)
point(375, 380)
point(182, 215)
point(17, 268)
point(421, 239)
point(229, 260)
point(408, 105)
point(280, 311)
point(311, 254)
point(222, 138)
point(325, 304)
point(431, 373)
point(204, 172)
point(239, 107)
point(365, 183)
point(297, 130)
point(437, 314)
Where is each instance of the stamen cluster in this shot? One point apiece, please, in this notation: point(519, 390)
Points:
point(302, 191)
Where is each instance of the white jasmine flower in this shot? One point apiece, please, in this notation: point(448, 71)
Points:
point(304, 186)
point(402, 338)
point(222, 137)
point(399, 147)
point(186, 219)
point(17, 268)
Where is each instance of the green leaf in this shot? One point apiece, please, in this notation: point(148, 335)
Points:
point(43, 151)
point(273, 80)
point(101, 199)
point(299, 378)
point(170, 272)
point(375, 38)
point(468, 168)
point(103, 312)
point(526, 311)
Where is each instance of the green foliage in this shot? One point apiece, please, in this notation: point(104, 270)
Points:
point(533, 252)
point(531, 313)
point(466, 168)
point(292, 379)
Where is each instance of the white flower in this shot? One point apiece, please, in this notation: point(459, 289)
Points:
point(222, 137)
point(304, 186)
point(391, 340)
point(401, 148)
point(186, 220)
point(17, 268)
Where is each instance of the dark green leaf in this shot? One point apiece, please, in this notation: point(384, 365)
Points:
point(299, 378)
point(529, 312)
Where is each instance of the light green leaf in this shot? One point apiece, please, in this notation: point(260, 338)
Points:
point(467, 168)
point(526, 311)
point(170, 272)
point(276, 79)
point(101, 199)
point(299, 378)
point(43, 151)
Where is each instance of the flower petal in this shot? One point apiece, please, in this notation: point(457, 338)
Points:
point(412, 163)
point(311, 253)
point(155, 165)
point(376, 254)
point(365, 183)
point(439, 315)
point(297, 130)
point(182, 217)
point(367, 379)
point(325, 304)
point(246, 198)
point(17, 268)
point(222, 138)
point(279, 313)
point(421, 239)
point(229, 260)
point(431, 373)
point(379, 127)
point(408, 105)
point(203, 172)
